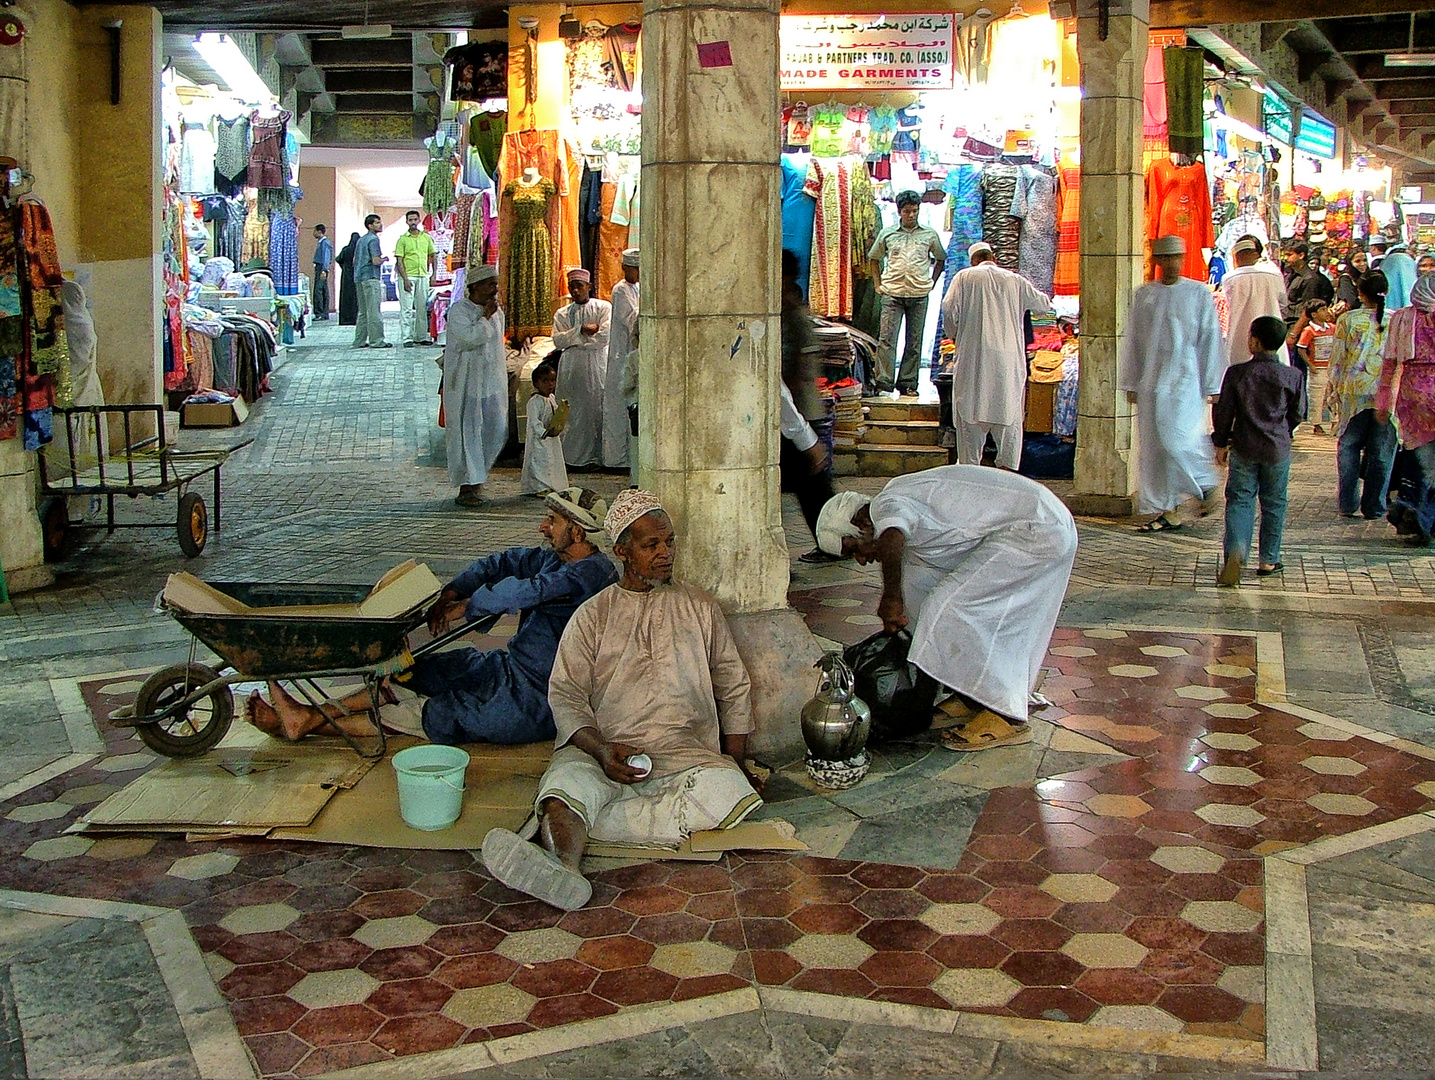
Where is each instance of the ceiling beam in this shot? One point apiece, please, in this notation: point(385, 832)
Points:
point(1405, 88)
point(351, 104)
point(1170, 14)
point(1273, 33)
point(373, 81)
point(333, 53)
point(1308, 63)
point(1383, 37)
point(1370, 123)
point(1335, 89)
point(1410, 106)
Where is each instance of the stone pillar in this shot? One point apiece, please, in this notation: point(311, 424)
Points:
point(710, 236)
point(1112, 239)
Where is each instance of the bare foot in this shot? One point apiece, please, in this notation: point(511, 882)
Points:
point(298, 719)
point(262, 715)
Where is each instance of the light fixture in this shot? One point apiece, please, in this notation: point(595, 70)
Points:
point(366, 31)
point(1410, 58)
point(232, 66)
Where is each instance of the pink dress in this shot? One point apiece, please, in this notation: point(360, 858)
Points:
point(1407, 377)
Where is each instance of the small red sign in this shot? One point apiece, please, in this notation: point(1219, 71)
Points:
point(714, 54)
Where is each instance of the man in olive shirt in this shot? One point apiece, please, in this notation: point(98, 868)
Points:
point(915, 260)
point(414, 256)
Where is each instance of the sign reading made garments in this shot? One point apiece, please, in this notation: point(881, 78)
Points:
point(867, 52)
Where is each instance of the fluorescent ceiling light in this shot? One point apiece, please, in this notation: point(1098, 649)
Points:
point(231, 65)
point(1410, 59)
point(368, 30)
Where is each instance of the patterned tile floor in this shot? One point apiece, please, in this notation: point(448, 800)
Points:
point(1127, 894)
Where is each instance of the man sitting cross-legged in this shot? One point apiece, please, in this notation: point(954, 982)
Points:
point(646, 667)
point(498, 696)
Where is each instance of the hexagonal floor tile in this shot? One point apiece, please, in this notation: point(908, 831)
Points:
point(1200, 693)
point(1221, 916)
point(1135, 1018)
point(960, 919)
point(1230, 711)
point(1167, 651)
point(87, 793)
point(1131, 671)
point(1231, 775)
point(1188, 860)
point(115, 848)
point(393, 933)
point(1105, 950)
point(1229, 671)
point(1140, 733)
point(1229, 740)
point(488, 1006)
point(259, 919)
point(1246, 983)
point(1334, 766)
point(691, 959)
point(1324, 733)
point(1122, 806)
point(45, 811)
point(1228, 814)
point(200, 867)
point(1427, 789)
point(980, 987)
point(58, 847)
point(1104, 634)
point(124, 762)
point(1072, 652)
point(219, 967)
point(831, 951)
point(323, 989)
point(1078, 888)
point(1347, 805)
point(539, 946)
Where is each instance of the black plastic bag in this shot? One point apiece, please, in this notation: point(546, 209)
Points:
point(898, 693)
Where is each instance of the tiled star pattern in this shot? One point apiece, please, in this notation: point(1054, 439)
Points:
point(1127, 894)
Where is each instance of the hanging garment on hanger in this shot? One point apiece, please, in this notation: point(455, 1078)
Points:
point(1184, 71)
point(963, 186)
point(999, 228)
point(266, 151)
point(830, 292)
point(1178, 203)
point(1035, 205)
point(1067, 279)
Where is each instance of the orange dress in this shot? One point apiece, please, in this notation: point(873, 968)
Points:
point(1067, 281)
point(1178, 203)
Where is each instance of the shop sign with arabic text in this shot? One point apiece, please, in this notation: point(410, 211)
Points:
point(867, 52)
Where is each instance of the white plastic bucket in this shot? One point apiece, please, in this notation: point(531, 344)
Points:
point(430, 785)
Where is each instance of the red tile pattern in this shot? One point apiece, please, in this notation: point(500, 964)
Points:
point(1047, 868)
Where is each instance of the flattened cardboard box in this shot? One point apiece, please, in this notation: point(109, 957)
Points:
point(406, 587)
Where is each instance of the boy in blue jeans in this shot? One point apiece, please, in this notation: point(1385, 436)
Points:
point(1260, 406)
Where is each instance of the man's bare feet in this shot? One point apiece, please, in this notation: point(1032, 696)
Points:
point(285, 717)
point(262, 715)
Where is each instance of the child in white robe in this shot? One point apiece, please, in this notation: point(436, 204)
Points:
point(543, 467)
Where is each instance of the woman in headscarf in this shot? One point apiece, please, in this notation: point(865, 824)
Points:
point(1410, 362)
point(348, 291)
point(1365, 449)
point(1347, 289)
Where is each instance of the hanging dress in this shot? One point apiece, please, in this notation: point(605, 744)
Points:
point(266, 152)
point(196, 160)
point(999, 228)
point(1067, 280)
point(1035, 206)
point(530, 257)
point(438, 182)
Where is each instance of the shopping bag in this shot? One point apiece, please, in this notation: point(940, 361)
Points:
point(899, 694)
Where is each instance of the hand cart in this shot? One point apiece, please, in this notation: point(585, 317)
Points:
point(80, 462)
point(184, 710)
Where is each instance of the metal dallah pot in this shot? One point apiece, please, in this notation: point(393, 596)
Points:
point(835, 724)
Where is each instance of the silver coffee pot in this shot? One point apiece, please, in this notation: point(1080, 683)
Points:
point(835, 723)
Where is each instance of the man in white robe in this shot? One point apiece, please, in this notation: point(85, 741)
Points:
point(982, 312)
point(1172, 361)
point(978, 559)
point(475, 386)
point(622, 339)
point(582, 329)
point(653, 708)
point(1253, 289)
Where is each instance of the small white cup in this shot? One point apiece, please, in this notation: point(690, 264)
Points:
point(642, 762)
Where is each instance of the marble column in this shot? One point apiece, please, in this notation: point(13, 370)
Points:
point(710, 237)
point(1113, 57)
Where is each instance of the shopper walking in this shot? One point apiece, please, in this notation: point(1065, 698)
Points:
point(1347, 287)
point(323, 263)
point(1399, 271)
point(1254, 288)
point(475, 386)
point(348, 289)
point(368, 257)
point(1409, 360)
point(414, 258)
point(1365, 446)
point(1171, 362)
point(1259, 408)
point(1303, 281)
point(908, 260)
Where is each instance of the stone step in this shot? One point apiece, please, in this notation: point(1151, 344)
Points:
point(902, 432)
point(885, 459)
point(886, 408)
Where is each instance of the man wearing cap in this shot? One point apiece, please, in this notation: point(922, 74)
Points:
point(498, 696)
point(1253, 289)
point(1172, 360)
point(623, 339)
point(978, 559)
point(475, 385)
point(582, 329)
point(653, 709)
point(983, 315)
point(914, 262)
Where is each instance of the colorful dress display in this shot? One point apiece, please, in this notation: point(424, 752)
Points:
point(530, 257)
point(1067, 279)
point(830, 291)
point(1034, 204)
point(266, 151)
point(1178, 203)
point(964, 186)
point(438, 181)
point(999, 228)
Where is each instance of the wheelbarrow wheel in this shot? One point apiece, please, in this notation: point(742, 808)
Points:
point(193, 730)
point(192, 524)
point(54, 527)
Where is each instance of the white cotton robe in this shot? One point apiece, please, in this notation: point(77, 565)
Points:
point(1172, 357)
point(988, 555)
point(620, 343)
point(982, 312)
point(543, 467)
point(475, 391)
point(1252, 291)
point(581, 374)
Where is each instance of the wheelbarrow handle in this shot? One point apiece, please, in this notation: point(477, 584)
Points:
point(480, 625)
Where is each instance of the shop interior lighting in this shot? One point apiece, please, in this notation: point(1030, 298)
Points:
point(1410, 58)
point(368, 30)
point(231, 65)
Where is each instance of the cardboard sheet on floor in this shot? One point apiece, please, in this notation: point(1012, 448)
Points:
point(235, 787)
